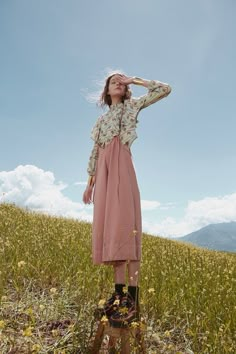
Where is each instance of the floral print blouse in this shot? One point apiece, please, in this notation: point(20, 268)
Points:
point(121, 119)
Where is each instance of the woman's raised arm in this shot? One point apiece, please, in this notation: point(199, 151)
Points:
point(156, 90)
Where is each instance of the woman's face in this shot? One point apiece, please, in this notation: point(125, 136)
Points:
point(115, 88)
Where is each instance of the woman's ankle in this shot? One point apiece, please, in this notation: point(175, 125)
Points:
point(119, 289)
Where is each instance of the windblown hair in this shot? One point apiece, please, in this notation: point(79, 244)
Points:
point(105, 98)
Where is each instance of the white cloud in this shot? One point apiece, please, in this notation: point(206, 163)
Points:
point(212, 209)
point(32, 187)
point(198, 214)
point(82, 183)
point(149, 204)
point(167, 206)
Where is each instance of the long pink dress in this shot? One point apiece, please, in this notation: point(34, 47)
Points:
point(117, 213)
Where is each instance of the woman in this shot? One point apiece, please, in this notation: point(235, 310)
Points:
point(113, 188)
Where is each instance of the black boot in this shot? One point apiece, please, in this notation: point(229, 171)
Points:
point(133, 291)
point(128, 311)
point(113, 302)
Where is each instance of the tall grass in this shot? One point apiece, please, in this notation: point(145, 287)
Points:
point(49, 290)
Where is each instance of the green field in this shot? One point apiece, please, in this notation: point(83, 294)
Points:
point(49, 290)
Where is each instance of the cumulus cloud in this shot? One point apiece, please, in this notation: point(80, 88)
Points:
point(210, 210)
point(32, 187)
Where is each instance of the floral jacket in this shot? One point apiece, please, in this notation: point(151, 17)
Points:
point(121, 119)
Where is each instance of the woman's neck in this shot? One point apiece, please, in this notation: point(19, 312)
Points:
point(115, 100)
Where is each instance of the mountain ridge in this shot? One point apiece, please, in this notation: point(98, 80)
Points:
point(220, 237)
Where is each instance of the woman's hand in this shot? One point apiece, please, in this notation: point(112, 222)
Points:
point(88, 193)
point(87, 196)
point(124, 80)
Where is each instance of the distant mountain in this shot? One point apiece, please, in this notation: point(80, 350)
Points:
point(221, 237)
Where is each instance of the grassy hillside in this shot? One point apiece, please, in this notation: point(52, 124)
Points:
point(49, 290)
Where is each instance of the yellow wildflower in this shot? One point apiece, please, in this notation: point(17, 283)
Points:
point(151, 290)
point(134, 324)
point(189, 332)
point(116, 302)
point(101, 303)
point(21, 264)
point(27, 332)
point(36, 348)
point(29, 311)
point(125, 289)
point(170, 346)
point(167, 334)
point(123, 310)
point(53, 291)
point(104, 319)
point(2, 324)
point(55, 332)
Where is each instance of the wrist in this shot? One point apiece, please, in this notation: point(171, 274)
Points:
point(137, 80)
point(91, 180)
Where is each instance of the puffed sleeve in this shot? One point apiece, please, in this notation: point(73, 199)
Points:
point(156, 91)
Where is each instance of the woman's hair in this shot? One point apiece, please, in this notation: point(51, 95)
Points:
point(105, 98)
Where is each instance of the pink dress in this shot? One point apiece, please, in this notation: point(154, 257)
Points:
point(117, 213)
point(117, 226)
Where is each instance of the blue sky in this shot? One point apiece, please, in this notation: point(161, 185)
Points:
point(53, 55)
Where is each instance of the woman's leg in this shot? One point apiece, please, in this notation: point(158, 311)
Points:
point(120, 273)
point(119, 277)
point(133, 272)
